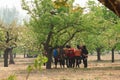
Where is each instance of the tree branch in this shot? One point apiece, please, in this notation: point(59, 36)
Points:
point(48, 37)
point(71, 37)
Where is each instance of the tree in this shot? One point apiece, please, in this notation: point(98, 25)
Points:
point(9, 42)
point(101, 20)
point(50, 19)
point(99, 26)
point(108, 24)
point(113, 32)
point(8, 17)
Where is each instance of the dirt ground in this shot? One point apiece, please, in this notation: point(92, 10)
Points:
point(103, 70)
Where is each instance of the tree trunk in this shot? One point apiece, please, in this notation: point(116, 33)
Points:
point(49, 56)
point(98, 54)
point(24, 55)
point(11, 61)
point(14, 55)
point(0, 55)
point(6, 57)
point(48, 48)
point(113, 49)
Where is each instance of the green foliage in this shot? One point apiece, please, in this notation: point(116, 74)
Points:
point(102, 22)
point(50, 19)
point(38, 62)
point(2, 38)
point(13, 32)
point(57, 23)
point(11, 77)
point(30, 68)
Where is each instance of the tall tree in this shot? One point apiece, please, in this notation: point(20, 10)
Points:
point(100, 21)
point(50, 19)
point(9, 18)
point(113, 32)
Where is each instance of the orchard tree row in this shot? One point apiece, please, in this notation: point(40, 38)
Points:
point(58, 22)
point(14, 37)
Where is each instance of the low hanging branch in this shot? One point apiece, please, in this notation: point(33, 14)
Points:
point(114, 7)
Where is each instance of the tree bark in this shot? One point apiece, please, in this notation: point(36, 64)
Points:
point(49, 56)
point(98, 54)
point(25, 52)
point(112, 55)
point(24, 55)
point(11, 61)
point(113, 49)
point(0, 55)
point(48, 48)
point(14, 55)
point(6, 57)
point(113, 5)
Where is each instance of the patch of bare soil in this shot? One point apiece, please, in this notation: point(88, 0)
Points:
point(103, 70)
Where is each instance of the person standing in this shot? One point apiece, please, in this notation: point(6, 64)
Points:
point(62, 57)
point(71, 58)
point(77, 53)
point(55, 55)
point(66, 49)
point(85, 56)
